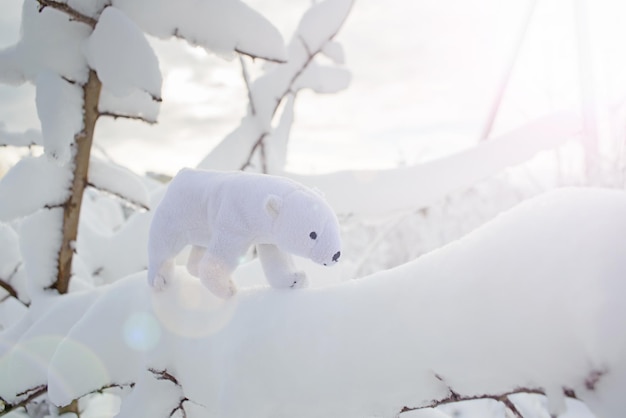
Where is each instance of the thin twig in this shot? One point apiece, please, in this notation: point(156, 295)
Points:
point(120, 196)
point(164, 375)
point(256, 145)
point(246, 79)
point(73, 13)
point(254, 56)
point(122, 116)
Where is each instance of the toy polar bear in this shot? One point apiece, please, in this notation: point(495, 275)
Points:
point(222, 214)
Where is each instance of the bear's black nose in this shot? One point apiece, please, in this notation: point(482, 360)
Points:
point(336, 256)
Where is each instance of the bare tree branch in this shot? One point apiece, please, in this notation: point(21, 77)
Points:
point(124, 198)
point(180, 407)
point(73, 13)
point(164, 375)
point(71, 208)
point(246, 79)
point(503, 398)
point(122, 116)
point(258, 143)
point(254, 56)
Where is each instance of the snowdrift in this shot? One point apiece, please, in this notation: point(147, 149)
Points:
point(531, 300)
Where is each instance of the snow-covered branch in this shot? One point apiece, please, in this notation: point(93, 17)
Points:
point(65, 8)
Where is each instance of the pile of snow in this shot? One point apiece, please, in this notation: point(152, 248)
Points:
point(533, 299)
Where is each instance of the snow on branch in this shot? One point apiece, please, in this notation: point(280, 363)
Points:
point(123, 70)
point(138, 105)
point(48, 43)
point(318, 27)
point(223, 27)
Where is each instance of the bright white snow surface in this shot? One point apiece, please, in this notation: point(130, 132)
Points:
point(532, 299)
point(122, 70)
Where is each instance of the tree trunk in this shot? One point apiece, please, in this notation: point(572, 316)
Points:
point(71, 208)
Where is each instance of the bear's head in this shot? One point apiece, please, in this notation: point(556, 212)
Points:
point(305, 225)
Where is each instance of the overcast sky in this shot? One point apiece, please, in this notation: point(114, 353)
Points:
point(424, 76)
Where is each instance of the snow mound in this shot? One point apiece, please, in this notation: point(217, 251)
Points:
point(532, 299)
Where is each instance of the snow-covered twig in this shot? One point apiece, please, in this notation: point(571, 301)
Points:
point(591, 382)
point(73, 13)
point(4, 283)
point(165, 375)
point(31, 395)
point(503, 398)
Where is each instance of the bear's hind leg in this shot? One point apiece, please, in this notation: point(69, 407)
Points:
point(215, 275)
point(195, 257)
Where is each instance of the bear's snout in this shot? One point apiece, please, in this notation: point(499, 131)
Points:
point(336, 256)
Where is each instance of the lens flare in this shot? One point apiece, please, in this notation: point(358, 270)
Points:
point(142, 331)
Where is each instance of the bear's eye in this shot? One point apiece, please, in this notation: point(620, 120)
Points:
point(313, 235)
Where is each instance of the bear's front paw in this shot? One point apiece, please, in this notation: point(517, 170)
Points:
point(159, 283)
point(298, 280)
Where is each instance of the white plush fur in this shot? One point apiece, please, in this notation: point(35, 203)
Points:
point(222, 214)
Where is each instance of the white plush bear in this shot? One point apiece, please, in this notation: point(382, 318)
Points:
point(221, 214)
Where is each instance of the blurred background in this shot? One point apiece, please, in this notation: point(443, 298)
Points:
point(429, 78)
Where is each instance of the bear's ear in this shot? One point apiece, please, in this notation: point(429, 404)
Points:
point(272, 205)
